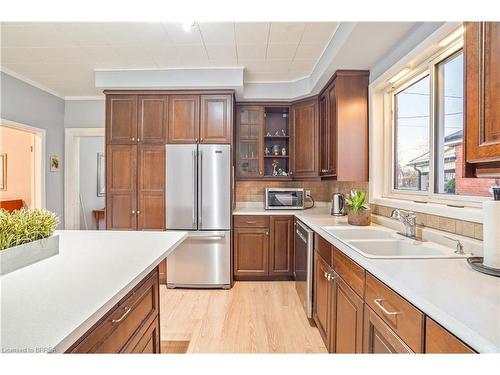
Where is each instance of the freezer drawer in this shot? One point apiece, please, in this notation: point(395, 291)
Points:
point(203, 260)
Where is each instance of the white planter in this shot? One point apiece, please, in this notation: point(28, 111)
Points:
point(17, 257)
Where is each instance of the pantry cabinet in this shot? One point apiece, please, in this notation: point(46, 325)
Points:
point(482, 99)
point(263, 247)
point(184, 119)
point(121, 119)
point(216, 119)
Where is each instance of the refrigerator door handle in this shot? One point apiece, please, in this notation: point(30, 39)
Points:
point(200, 189)
point(195, 182)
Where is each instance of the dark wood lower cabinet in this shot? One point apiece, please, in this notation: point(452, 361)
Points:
point(281, 246)
point(251, 251)
point(379, 338)
point(348, 320)
point(322, 299)
point(131, 326)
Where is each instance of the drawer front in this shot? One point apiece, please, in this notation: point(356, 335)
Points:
point(323, 248)
point(352, 273)
point(439, 341)
point(250, 221)
point(149, 342)
point(401, 316)
point(129, 319)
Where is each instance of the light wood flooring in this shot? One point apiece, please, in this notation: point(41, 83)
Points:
point(252, 317)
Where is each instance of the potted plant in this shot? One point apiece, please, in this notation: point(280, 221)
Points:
point(359, 212)
point(26, 237)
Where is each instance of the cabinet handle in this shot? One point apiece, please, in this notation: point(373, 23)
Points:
point(138, 212)
point(127, 310)
point(378, 302)
point(196, 139)
point(133, 212)
point(201, 139)
point(133, 139)
point(267, 233)
point(291, 172)
point(138, 140)
point(260, 172)
point(251, 222)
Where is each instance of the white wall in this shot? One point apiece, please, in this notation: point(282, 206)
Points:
point(89, 147)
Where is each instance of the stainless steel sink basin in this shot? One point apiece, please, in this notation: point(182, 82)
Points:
point(368, 233)
point(403, 249)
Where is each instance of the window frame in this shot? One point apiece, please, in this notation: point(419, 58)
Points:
point(430, 67)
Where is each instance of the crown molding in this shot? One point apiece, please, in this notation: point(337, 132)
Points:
point(31, 82)
point(75, 98)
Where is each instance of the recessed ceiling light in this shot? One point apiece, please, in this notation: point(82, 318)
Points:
point(399, 75)
point(188, 26)
point(451, 37)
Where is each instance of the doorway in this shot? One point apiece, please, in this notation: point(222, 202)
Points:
point(84, 179)
point(22, 165)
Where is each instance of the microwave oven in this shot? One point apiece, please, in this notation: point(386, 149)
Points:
point(284, 199)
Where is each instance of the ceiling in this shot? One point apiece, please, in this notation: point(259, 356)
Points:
point(63, 56)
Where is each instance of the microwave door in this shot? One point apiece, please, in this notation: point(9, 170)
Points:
point(181, 187)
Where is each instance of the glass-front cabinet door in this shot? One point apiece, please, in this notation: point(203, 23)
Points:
point(249, 141)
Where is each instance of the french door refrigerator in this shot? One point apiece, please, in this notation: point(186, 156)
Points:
point(198, 190)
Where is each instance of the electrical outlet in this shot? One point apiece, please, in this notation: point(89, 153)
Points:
point(308, 193)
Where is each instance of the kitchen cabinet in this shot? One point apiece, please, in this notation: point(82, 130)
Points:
point(343, 107)
point(263, 247)
point(121, 119)
point(183, 119)
point(131, 326)
point(121, 187)
point(250, 142)
point(153, 119)
point(281, 246)
point(348, 319)
point(439, 341)
point(304, 139)
point(216, 119)
point(251, 251)
point(135, 186)
point(379, 338)
point(322, 306)
point(482, 99)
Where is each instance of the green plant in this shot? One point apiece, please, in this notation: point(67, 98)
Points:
point(25, 225)
point(356, 201)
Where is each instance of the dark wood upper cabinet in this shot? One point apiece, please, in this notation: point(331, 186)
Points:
point(121, 119)
point(251, 251)
point(249, 142)
point(216, 118)
point(151, 187)
point(482, 99)
point(305, 139)
point(121, 187)
point(153, 117)
point(183, 118)
point(281, 246)
point(348, 319)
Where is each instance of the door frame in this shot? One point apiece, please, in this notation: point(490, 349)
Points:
point(72, 138)
point(38, 194)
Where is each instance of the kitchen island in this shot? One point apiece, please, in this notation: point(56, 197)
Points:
point(50, 306)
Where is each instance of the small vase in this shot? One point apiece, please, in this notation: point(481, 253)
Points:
point(361, 217)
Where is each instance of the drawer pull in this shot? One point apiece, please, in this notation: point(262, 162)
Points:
point(378, 302)
point(251, 222)
point(127, 310)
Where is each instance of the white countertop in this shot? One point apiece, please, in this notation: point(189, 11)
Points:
point(464, 301)
point(50, 304)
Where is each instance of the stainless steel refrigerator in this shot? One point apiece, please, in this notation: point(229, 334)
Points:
point(198, 190)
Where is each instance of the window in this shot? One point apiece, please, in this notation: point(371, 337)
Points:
point(411, 135)
point(427, 134)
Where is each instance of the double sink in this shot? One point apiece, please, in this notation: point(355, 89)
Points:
point(381, 243)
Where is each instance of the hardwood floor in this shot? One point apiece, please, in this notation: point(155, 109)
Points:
point(252, 317)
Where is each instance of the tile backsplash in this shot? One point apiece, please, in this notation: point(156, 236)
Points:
point(321, 190)
point(460, 227)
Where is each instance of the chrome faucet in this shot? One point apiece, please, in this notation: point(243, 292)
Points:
point(410, 222)
point(460, 248)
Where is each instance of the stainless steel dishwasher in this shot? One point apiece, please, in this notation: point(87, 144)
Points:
point(303, 271)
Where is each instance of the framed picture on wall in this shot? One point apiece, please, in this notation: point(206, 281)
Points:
point(101, 186)
point(55, 163)
point(3, 171)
